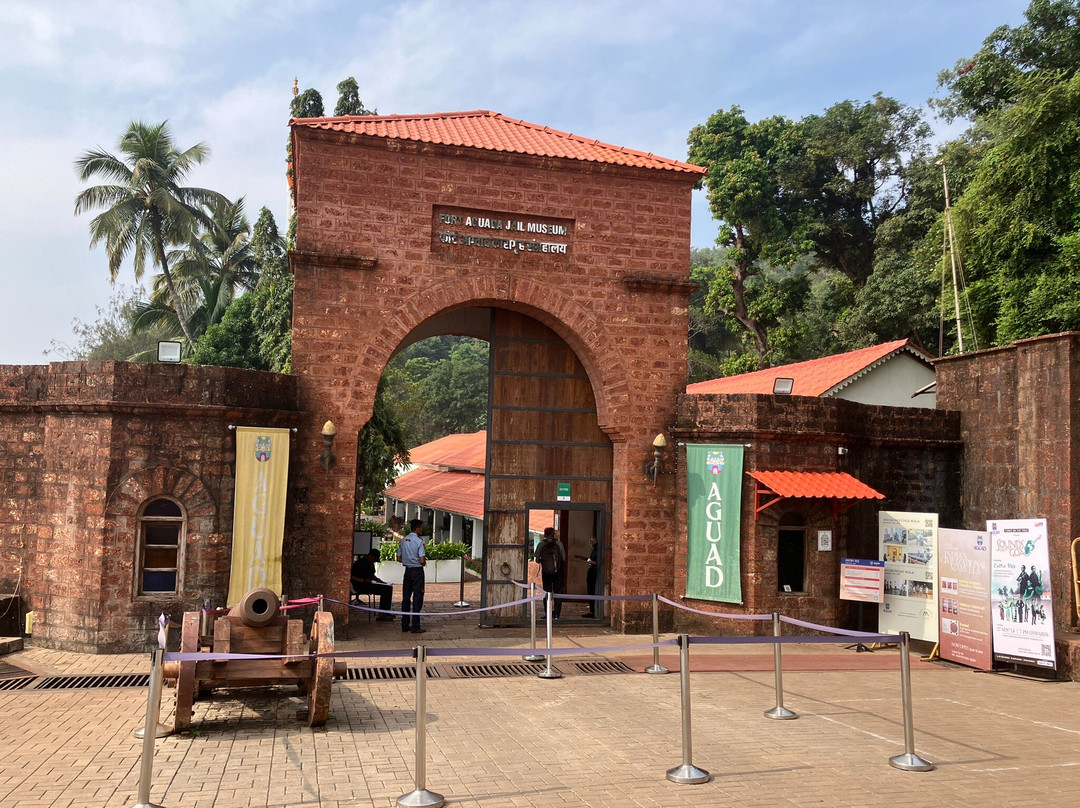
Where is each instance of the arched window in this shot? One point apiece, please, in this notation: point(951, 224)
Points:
point(161, 535)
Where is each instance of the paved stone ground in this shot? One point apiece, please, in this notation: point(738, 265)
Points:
point(583, 740)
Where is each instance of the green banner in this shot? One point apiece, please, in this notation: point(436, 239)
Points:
point(714, 500)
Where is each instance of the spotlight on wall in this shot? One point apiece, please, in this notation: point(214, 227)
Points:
point(841, 450)
point(782, 386)
point(652, 468)
point(169, 351)
point(329, 432)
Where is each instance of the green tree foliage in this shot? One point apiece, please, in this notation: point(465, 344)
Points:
point(308, 104)
point(272, 296)
point(761, 227)
point(439, 387)
point(146, 208)
point(996, 76)
point(850, 175)
point(208, 274)
point(1019, 219)
point(349, 102)
point(233, 341)
point(383, 444)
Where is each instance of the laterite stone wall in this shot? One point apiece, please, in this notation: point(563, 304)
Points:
point(371, 266)
point(82, 446)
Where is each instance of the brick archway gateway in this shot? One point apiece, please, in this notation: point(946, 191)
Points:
point(403, 219)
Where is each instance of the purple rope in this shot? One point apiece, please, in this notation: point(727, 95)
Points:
point(726, 616)
point(790, 639)
point(444, 652)
point(832, 630)
point(559, 596)
point(435, 614)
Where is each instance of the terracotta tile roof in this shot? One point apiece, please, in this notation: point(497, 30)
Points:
point(461, 452)
point(457, 491)
point(815, 484)
point(816, 377)
point(451, 478)
point(490, 131)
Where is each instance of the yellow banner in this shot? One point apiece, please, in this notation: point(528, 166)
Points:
point(262, 474)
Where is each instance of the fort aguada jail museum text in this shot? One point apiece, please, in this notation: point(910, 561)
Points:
point(123, 486)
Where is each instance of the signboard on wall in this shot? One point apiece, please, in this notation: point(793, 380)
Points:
point(907, 543)
point(964, 597)
point(862, 580)
point(1021, 604)
point(714, 502)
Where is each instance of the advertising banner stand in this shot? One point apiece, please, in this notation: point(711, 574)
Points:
point(1021, 609)
point(863, 581)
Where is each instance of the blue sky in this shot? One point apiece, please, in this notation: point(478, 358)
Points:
point(636, 74)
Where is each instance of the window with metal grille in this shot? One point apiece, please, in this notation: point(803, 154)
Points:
point(161, 536)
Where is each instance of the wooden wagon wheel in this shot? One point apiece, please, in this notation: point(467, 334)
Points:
point(322, 674)
point(186, 687)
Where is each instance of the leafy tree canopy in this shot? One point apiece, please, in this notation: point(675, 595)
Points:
point(349, 102)
point(1048, 39)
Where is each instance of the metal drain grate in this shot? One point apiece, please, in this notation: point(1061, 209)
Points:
point(485, 671)
point(95, 680)
point(16, 684)
point(602, 666)
point(386, 674)
point(9, 671)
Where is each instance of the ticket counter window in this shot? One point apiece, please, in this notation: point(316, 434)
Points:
point(161, 534)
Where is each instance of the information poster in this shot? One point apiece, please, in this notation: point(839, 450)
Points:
point(862, 580)
point(908, 546)
point(1021, 602)
point(714, 502)
point(964, 597)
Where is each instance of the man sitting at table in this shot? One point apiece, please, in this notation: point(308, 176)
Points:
point(365, 582)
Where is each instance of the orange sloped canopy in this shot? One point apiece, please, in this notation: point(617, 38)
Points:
point(815, 484)
point(843, 489)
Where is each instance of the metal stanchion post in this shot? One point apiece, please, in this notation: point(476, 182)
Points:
point(687, 773)
point(549, 672)
point(656, 667)
point(461, 602)
point(779, 712)
point(321, 603)
point(420, 797)
point(153, 704)
point(533, 657)
point(909, 761)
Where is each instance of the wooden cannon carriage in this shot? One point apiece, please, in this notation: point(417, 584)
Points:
point(256, 625)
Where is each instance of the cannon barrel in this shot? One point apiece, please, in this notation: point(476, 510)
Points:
point(257, 608)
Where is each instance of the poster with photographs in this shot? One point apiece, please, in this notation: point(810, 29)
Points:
point(964, 597)
point(1021, 606)
point(907, 543)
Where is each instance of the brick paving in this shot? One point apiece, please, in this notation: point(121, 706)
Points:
point(583, 740)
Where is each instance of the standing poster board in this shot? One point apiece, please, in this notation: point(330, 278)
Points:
point(964, 597)
point(714, 506)
point(1021, 606)
point(907, 543)
point(862, 580)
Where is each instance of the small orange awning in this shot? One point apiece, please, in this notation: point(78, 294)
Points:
point(835, 485)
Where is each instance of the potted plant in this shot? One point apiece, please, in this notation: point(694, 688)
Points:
point(446, 557)
point(389, 569)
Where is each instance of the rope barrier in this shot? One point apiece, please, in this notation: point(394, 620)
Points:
point(435, 614)
point(725, 615)
point(790, 639)
point(844, 631)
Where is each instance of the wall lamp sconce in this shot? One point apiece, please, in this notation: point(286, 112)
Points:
point(329, 432)
point(652, 468)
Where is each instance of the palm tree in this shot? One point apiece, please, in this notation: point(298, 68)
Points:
point(207, 275)
point(146, 209)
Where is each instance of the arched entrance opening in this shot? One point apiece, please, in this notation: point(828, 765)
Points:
point(548, 462)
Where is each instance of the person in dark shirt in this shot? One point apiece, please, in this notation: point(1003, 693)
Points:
point(364, 582)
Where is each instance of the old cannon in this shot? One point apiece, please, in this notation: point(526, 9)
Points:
point(256, 625)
